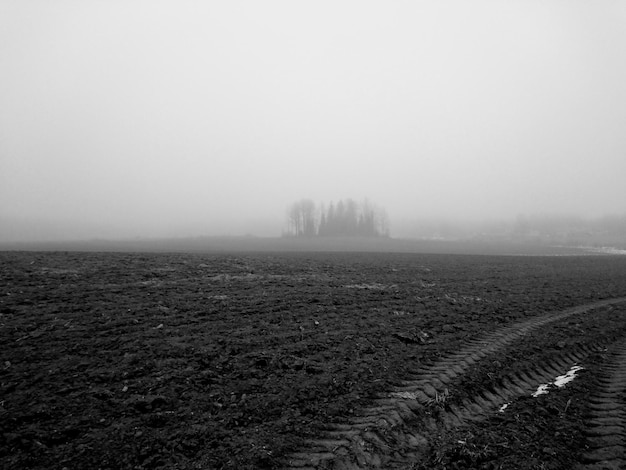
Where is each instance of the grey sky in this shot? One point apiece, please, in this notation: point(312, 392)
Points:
point(193, 117)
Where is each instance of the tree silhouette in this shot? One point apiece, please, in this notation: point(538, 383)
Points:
point(347, 218)
point(301, 218)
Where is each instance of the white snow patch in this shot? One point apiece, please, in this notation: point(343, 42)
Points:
point(541, 390)
point(559, 381)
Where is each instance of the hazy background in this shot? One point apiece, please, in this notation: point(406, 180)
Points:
point(175, 118)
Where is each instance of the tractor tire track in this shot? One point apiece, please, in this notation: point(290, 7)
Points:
point(513, 386)
point(488, 401)
point(382, 436)
point(606, 425)
point(430, 383)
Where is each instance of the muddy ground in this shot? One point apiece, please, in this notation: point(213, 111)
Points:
point(185, 361)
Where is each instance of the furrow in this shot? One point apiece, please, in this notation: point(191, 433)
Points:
point(606, 425)
point(383, 435)
point(437, 376)
point(511, 387)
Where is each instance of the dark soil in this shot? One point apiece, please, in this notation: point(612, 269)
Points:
point(544, 432)
point(233, 361)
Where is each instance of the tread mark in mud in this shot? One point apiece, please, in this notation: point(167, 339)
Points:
point(381, 435)
point(513, 386)
point(606, 425)
point(434, 379)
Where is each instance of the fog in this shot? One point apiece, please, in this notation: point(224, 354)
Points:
point(176, 118)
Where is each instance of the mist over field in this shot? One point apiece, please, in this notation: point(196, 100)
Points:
point(189, 118)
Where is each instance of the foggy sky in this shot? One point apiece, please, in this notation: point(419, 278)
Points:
point(156, 118)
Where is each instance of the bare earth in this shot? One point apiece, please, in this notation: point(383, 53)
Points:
point(310, 360)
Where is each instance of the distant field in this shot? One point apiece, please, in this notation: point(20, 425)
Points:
point(322, 244)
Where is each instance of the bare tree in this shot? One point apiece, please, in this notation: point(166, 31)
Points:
point(301, 219)
point(309, 224)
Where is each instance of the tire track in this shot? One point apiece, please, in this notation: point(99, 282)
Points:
point(428, 384)
point(515, 385)
point(606, 425)
point(382, 436)
point(488, 401)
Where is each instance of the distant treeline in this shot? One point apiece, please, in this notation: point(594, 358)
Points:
point(346, 218)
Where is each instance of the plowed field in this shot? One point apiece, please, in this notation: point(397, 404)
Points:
point(311, 361)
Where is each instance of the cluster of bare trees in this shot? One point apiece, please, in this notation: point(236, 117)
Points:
point(346, 218)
